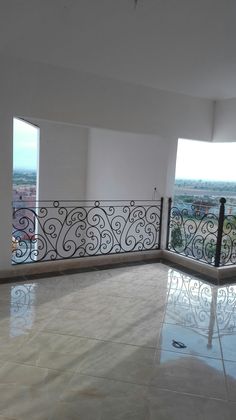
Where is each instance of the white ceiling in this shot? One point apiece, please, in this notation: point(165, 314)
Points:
point(186, 46)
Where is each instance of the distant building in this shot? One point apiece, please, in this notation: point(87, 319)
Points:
point(24, 199)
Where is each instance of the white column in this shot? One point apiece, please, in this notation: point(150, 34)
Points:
point(169, 187)
point(6, 148)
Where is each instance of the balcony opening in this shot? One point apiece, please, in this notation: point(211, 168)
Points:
point(205, 172)
point(202, 217)
point(25, 182)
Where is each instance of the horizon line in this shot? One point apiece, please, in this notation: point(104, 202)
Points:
point(204, 179)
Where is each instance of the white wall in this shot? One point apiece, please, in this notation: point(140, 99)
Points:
point(41, 91)
point(126, 166)
point(62, 161)
point(6, 160)
point(225, 120)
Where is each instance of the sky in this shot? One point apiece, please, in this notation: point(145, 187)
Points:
point(25, 145)
point(206, 161)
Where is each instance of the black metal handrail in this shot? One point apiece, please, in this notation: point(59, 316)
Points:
point(55, 230)
point(202, 235)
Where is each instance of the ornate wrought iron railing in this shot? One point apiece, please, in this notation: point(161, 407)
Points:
point(228, 245)
point(55, 230)
point(207, 236)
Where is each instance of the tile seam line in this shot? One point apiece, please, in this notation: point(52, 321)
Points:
point(74, 373)
point(129, 344)
point(92, 339)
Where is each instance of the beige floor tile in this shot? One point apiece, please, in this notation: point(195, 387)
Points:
point(14, 373)
point(230, 370)
point(110, 318)
point(95, 303)
point(232, 411)
point(81, 386)
point(10, 346)
point(86, 410)
point(117, 409)
point(192, 374)
point(228, 343)
point(80, 323)
point(54, 351)
point(119, 361)
point(92, 345)
point(103, 399)
point(166, 405)
point(142, 331)
point(27, 392)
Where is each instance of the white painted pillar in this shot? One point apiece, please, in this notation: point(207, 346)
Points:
point(6, 148)
point(169, 187)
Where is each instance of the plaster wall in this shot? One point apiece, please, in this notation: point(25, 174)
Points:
point(225, 120)
point(53, 93)
point(62, 161)
point(6, 135)
point(127, 166)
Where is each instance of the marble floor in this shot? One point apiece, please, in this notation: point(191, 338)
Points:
point(141, 342)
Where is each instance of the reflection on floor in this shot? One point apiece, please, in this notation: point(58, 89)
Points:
point(145, 342)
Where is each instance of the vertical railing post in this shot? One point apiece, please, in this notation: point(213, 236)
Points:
point(168, 222)
point(160, 226)
point(220, 231)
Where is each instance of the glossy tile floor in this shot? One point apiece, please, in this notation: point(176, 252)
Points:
point(144, 342)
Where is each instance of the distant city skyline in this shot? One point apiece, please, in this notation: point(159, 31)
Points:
point(25, 145)
point(24, 170)
point(207, 161)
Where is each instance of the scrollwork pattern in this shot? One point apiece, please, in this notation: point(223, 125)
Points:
point(193, 234)
point(58, 230)
point(228, 245)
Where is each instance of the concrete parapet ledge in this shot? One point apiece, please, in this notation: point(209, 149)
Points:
point(210, 273)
